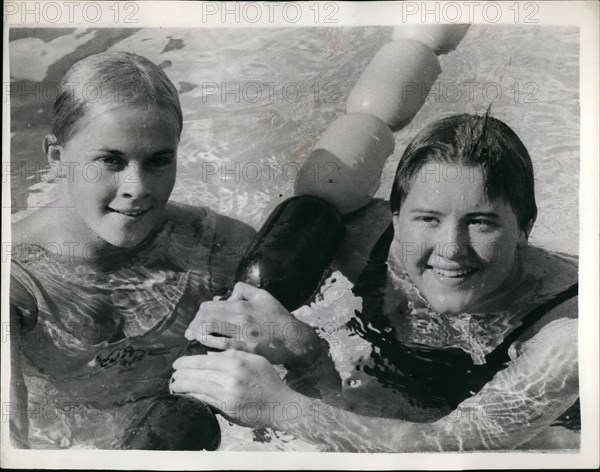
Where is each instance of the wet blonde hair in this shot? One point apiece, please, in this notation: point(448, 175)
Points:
point(112, 79)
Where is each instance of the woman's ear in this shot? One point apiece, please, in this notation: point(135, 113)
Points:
point(524, 234)
point(51, 149)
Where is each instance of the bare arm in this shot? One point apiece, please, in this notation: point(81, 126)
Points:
point(23, 315)
point(516, 405)
point(520, 401)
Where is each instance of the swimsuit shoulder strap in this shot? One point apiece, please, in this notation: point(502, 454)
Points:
point(500, 354)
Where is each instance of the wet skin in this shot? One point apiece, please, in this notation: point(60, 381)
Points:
point(457, 246)
point(119, 168)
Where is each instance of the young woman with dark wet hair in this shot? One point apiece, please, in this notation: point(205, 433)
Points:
point(473, 332)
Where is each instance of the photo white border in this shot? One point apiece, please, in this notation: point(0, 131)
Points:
point(585, 15)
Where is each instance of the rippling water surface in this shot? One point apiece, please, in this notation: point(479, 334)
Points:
point(256, 100)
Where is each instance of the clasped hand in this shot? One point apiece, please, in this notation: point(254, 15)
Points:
point(244, 387)
point(255, 331)
point(251, 320)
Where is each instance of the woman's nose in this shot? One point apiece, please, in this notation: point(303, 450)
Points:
point(134, 183)
point(455, 241)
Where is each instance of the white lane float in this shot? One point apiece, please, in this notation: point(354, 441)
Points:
point(441, 38)
point(344, 168)
point(396, 83)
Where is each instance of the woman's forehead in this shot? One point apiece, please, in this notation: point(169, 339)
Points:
point(131, 115)
point(448, 185)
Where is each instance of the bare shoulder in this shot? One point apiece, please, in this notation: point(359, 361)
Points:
point(227, 229)
point(37, 228)
point(560, 324)
point(556, 334)
point(182, 214)
point(555, 271)
point(555, 277)
point(233, 231)
point(34, 229)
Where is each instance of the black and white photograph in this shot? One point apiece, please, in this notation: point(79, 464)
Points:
point(300, 227)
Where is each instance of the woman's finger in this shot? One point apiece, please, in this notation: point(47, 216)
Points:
point(219, 342)
point(226, 327)
point(210, 310)
point(246, 292)
point(222, 328)
point(210, 361)
point(218, 378)
point(222, 316)
point(195, 385)
point(206, 399)
point(237, 355)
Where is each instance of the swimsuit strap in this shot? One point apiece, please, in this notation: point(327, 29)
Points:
point(500, 354)
point(497, 359)
point(430, 374)
point(379, 253)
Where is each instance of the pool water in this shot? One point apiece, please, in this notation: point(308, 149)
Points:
point(256, 100)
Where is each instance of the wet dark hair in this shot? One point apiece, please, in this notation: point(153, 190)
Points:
point(108, 80)
point(473, 141)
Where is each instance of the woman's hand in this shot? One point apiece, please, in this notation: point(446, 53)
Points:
point(244, 387)
point(251, 320)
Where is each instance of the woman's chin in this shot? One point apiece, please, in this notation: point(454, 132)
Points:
point(125, 244)
point(451, 307)
point(127, 236)
point(124, 241)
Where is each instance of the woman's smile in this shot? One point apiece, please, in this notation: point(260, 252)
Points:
point(454, 274)
point(456, 245)
point(134, 154)
point(130, 213)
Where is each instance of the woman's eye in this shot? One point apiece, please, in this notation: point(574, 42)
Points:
point(112, 161)
point(157, 162)
point(483, 225)
point(427, 220)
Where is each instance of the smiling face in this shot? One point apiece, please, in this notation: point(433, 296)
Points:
point(121, 166)
point(457, 246)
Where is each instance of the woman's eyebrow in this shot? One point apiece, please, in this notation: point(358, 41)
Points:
point(487, 214)
point(121, 153)
point(109, 151)
point(425, 210)
point(164, 151)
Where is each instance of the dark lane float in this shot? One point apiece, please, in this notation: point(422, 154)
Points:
point(292, 252)
point(175, 423)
